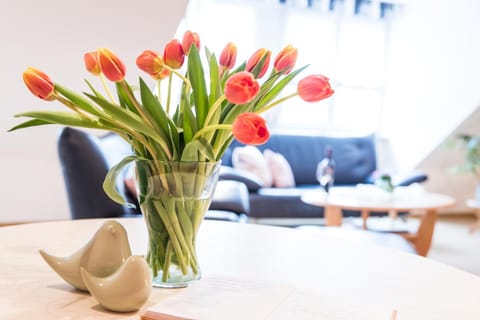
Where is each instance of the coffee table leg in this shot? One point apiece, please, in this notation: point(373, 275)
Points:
point(333, 216)
point(422, 239)
point(365, 215)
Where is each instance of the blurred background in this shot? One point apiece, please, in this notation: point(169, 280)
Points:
point(405, 70)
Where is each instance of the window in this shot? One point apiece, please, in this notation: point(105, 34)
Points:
point(341, 41)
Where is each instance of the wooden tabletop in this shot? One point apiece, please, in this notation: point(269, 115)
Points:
point(249, 271)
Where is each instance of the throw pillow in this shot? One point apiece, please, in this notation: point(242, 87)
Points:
point(250, 159)
point(280, 169)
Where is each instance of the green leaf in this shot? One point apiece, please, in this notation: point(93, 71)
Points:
point(188, 119)
point(78, 100)
point(63, 118)
point(123, 98)
point(193, 148)
point(273, 92)
point(128, 118)
point(110, 182)
point(197, 80)
point(95, 91)
point(154, 108)
point(30, 123)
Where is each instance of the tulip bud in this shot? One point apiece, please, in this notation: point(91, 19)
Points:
point(110, 65)
point(241, 88)
point(91, 63)
point(228, 56)
point(173, 54)
point(39, 83)
point(150, 62)
point(190, 38)
point(250, 128)
point(314, 88)
point(256, 59)
point(285, 60)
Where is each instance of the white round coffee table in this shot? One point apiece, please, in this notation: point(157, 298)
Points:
point(369, 199)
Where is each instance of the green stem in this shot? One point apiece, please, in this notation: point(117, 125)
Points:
point(213, 109)
point(173, 237)
point(178, 74)
point(210, 128)
point(170, 77)
point(106, 88)
point(158, 91)
point(166, 264)
point(273, 104)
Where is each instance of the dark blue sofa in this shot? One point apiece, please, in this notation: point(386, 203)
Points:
point(355, 158)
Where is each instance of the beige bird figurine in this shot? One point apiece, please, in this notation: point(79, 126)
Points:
point(124, 291)
point(106, 251)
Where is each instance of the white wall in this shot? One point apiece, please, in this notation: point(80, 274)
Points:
point(433, 75)
point(52, 35)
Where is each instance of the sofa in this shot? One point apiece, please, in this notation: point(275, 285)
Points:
point(356, 162)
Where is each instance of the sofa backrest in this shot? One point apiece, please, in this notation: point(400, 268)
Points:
point(355, 157)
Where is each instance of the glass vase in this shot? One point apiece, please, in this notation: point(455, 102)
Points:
point(173, 198)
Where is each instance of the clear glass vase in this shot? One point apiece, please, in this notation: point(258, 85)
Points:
point(173, 198)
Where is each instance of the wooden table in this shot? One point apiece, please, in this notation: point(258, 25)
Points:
point(367, 199)
point(251, 271)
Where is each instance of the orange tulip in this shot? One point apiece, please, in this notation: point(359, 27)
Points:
point(39, 83)
point(250, 128)
point(285, 60)
point(228, 56)
point(91, 63)
point(314, 88)
point(256, 59)
point(150, 62)
point(241, 88)
point(190, 38)
point(173, 54)
point(112, 67)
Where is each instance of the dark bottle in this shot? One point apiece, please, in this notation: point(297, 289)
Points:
point(326, 170)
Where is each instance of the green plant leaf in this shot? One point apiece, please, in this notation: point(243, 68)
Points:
point(188, 119)
point(110, 182)
point(78, 100)
point(128, 118)
point(275, 90)
point(123, 98)
point(193, 148)
point(30, 123)
point(63, 118)
point(197, 80)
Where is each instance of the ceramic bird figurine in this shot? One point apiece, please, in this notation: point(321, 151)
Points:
point(101, 256)
point(124, 291)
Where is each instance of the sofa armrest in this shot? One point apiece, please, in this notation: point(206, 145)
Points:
point(403, 180)
point(252, 182)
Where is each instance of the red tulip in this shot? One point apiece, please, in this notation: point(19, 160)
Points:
point(241, 88)
point(228, 56)
point(256, 59)
point(314, 88)
point(190, 38)
point(112, 67)
point(285, 60)
point(162, 74)
point(250, 128)
point(150, 62)
point(39, 83)
point(91, 63)
point(173, 54)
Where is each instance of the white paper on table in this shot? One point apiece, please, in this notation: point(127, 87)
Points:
point(221, 298)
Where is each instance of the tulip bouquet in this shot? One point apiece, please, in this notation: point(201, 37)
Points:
point(218, 102)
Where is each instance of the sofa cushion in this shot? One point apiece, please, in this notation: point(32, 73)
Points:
point(282, 175)
point(250, 159)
